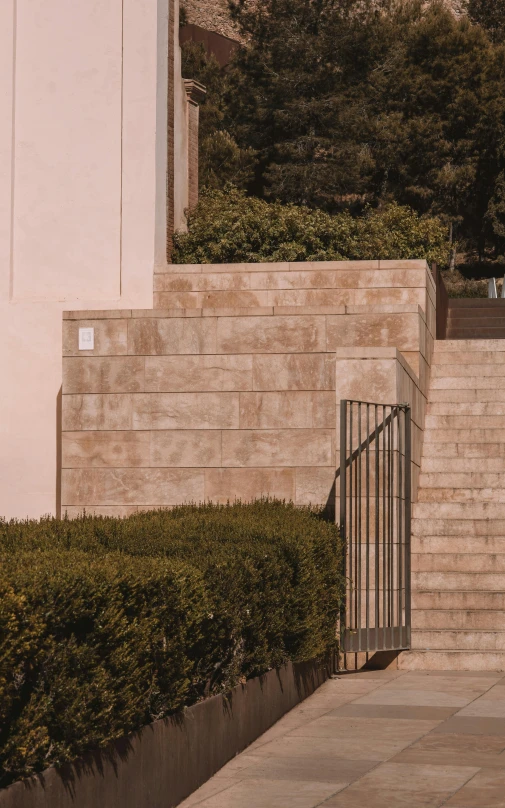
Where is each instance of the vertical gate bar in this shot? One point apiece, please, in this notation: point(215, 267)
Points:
point(367, 527)
point(384, 525)
point(389, 529)
point(377, 545)
point(356, 523)
point(343, 506)
point(359, 529)
point(350, 575)
point(392, 525)
point(408, 517)
point(400, 525)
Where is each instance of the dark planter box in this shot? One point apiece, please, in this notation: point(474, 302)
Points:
point(163, 763)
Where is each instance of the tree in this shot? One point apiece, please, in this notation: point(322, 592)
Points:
point(221, 159)
point(352, 103)
point(490, 14)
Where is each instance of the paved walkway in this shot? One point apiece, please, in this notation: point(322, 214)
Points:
point(376, 740)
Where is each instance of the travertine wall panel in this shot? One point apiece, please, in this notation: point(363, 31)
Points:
point(198, 373)
point(239, 400)
point(111, 374)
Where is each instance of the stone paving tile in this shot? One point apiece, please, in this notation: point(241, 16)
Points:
point(349, 738)
point(470, 725)
point(399, 784)
point(271, 794)
point(359, 710)
point(384, 739)
point(463, 750)
point(485, 790)
point(418, 698)
point(320, 769)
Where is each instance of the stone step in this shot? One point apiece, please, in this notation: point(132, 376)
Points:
point(462, 545)
point(457, 619)
point(455, 371)
point(459, 562)
point(465, 435)
point(480, 310)
point(454, 600)
point(471, 345)
point(428, 526)
point(480, 333)
point(459, 640)
point(464, 382)
point(459, 465)
point(459, 581)
point(441, 495)
point(451, 661)
point(450, 478)
point(475, 320)
point(460, 358)
point(459, 510)
point(455, 396)
point(456, 421)
point(472, 451)
point(466, 408)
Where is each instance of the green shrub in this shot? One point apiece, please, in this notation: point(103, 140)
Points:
point(107, 624)
point(229, 227)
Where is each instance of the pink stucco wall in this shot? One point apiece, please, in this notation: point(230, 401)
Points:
point(83, 159)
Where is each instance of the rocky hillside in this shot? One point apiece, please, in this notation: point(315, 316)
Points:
point(210, 14)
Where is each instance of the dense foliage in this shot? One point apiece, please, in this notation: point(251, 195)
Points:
point(345, 104)
point(107, 624)
point(229, 227)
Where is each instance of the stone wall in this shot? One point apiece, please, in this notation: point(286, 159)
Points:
point(189, 404)
point(213, 15)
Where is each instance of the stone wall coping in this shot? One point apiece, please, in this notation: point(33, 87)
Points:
point(294, 266)
point(262, 311)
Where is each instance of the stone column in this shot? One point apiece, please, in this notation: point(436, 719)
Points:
point(195, 94)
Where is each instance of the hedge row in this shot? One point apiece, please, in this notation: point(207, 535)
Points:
point(108, 624)
point(229, 227)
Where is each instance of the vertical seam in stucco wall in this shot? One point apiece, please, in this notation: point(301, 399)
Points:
point(13, 144)
point(172, 22)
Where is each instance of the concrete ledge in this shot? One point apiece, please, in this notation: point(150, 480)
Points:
point(165, 762)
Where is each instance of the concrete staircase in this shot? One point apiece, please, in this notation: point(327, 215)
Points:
point(458, 545)
point(476, 319)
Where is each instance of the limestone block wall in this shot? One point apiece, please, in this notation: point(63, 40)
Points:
point(189, 404)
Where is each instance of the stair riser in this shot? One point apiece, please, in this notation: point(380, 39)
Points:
point(459, 545)
point(459, 510)
point(451, 661)
point(459, 581)
point(462, 357)
point(458, 600)
point(459, 465)
point(462, 495)
point(493, 409)
point(476, 333)
point(473, 451)
point(464, 383)
point(454, 396)
point(466, 422)
point(452, 479)
point(458, 620)
point(459, 640)
point(455, 371)
point(465, 435)
point(449, 527)
point(459, 562)
point(470, 346)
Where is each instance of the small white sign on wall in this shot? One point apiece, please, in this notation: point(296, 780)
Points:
point(86, 339)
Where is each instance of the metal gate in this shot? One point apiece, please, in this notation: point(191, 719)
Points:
point(375, 520)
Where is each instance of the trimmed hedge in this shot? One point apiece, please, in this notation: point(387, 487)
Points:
point(229, 227)
point(108, 624)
